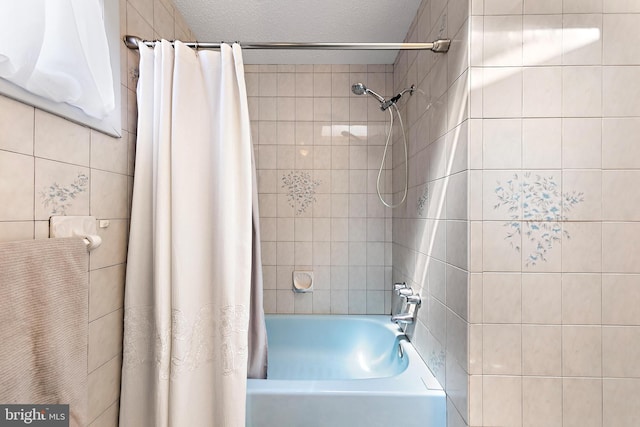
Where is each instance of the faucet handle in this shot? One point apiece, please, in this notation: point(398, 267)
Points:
point(404, 292)
point(413, 299)
point(398, 286)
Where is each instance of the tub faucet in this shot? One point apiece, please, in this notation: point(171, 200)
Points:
point(402, 318)
point(411, 299)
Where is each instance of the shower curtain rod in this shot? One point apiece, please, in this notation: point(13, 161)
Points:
point(442, 46)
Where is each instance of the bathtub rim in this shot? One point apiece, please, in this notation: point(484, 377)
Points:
point(415, 379)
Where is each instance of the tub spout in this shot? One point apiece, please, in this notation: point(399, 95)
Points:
point(402, 318)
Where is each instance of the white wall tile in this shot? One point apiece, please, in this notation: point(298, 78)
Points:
point(582, 247)
point(322, 302)
point(497, 7)
point(582, 91)
point(620, 299)
point(502, 92)
point(621, 39)
point(502, 40)
point(542, 401)
point(618, 406)
point(581, 299)
point(541, 350)
point(541, 298)
point(582, 143)
point(620, 148)
point(268, 84)
point(542, 39)
point(502, 349)
point(542, 7)
point(103, 387)
point(581, 402)
point(114, 245)
point(618, 205)
point(502, 400)
point(108, 195)
point(109, 418)
point(582, 351)
point(542, 143)
point(339, 302)
point(582, 6)
point(106, 291)
point(59, 139)
point(303, 303)
point(17, 124)
point(105, 339)
point(620, 88)
point(502, 298)
point(621, 6)
point(11, 231)
point(285, 301)
point(502, 144)
point(17, 186)
point(618, 252)
point(542, 94)
point(582, 39)
point(620, 351)
point(586, 187)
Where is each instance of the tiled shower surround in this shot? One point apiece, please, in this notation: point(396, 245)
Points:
point(519, 228)
point(431, 230)
point(522, 219)
point(318, 148)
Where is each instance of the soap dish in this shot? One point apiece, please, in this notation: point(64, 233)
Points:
point(303, 281)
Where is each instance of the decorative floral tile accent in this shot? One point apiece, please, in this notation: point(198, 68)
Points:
point(60, 198)
point(436, 361)
point(543, 208)
point(301, 190)
point(423, 201)
point(134, 74)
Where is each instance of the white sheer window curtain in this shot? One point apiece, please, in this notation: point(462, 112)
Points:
point(58, 49)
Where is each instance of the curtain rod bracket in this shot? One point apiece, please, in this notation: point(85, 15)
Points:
point(441, 46)
point(132, 42)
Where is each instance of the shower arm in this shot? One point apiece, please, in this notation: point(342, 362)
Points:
point(440, 46)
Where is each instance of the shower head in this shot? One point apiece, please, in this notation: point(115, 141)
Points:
point(358, 88)
point(361, 89)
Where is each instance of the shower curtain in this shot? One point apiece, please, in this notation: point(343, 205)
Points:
point(193, 268)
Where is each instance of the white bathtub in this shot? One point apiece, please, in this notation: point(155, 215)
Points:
point(335, 371)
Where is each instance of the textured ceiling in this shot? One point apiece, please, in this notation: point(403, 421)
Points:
point(344, 21)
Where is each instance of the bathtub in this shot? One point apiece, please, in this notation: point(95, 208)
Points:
point(334, 371)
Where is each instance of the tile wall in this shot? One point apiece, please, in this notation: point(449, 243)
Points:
point(318, 148)
point(531, 277)
point(431, 231)
point(50, 166)
point(520, 221)
point(553, 149)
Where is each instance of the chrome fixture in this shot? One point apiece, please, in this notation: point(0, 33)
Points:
point(411, 302)
point(398, 285)
point(402, 318)
point(439, 46)
point(391, 101)
point(361, 89)
point(385, 104)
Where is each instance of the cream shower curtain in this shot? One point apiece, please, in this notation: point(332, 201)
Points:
point(189, 271)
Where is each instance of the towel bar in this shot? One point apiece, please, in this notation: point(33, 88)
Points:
point(76, 226)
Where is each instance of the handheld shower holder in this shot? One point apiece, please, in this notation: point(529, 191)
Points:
point(386, 104)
